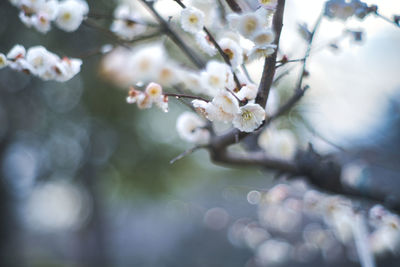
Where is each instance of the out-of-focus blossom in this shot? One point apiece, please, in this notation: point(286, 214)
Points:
point(227, 106)
point(3, 61)
point(269, 4)
point(126, 24)
point(280, 143)
point(71, 14)
point(232, 50)
point(258, 52)
point(247, 92)
point(217, 76)
point(190, 127)
point(204, 44)
point(342, 9)
point(192, 20)
point(43, 64)
point(263, 37)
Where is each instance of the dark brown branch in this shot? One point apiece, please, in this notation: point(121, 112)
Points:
point(234, 6)
point(175, 37)
point(254, 159)
point(270, 62)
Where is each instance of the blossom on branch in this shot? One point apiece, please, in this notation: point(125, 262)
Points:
point(151, 95)
point(42, 63)
point(192, 20)
point(68, 14)
point(249, 118)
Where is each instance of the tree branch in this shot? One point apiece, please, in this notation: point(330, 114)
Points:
point(234, 6)
point(175, 37)
point(270, 62)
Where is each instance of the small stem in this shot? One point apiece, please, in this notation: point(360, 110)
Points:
point(312, 35)
point(234, 95)
point(94, 15)
point(174, 36)
point(186, 153)
point(224, 56)
point(386, 19)
point(186, 96)
point(220, 51)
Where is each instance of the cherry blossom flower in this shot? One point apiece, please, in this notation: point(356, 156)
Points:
point(249, 118)
point(192, 20)
point(71, 14)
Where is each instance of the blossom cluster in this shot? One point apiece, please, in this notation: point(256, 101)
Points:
point(151, 95)
point(67, 14)
point(41, 63)
point(343, 10)
point(254, 26)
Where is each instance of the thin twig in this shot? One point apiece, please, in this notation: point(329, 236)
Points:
point(106, 31)
point(174, 36)
point(306, 56)
point(186, 153)
point(224, 56)
point(386, 19)
point(218, 47)
point(177, 96)
point(96, 15)
point(246, 72)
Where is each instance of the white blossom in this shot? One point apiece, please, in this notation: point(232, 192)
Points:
point(71, 14)
point(249, 24)
point(3, 61)
point(263, 37)
point(190, 127)
point(217, 76)
point(154, 91)
point(145, 62)
point(18, 51)
point(192, 19)
point(269, 4)
point(126, 24)
point(204, 44)
point(227, 106)
point(248, 92)
point(249, 118)
point(258, 52)
point(232, 50)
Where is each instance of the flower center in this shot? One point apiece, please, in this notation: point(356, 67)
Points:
point(247, 115)
point(193, 19)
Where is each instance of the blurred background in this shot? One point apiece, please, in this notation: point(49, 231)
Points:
point(86, 179)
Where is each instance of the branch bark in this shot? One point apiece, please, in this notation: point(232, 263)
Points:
point(270, 62)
